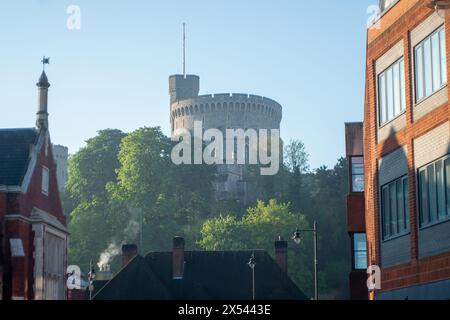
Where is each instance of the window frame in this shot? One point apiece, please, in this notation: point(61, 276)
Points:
point(405, 200)
point(402, 92)
point(421, 45)
point(446, 192)
point(354, 251)
point(351, 174)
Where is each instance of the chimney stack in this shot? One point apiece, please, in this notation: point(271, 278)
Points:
point(129, 251)
point(281, 254)
point(178, 258)
point(42, 113)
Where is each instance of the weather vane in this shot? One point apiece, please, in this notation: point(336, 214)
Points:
point(45, 60)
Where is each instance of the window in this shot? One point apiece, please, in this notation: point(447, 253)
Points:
point(391, 92)
point(359, 251)
point(434, 192)
point(357, 174)
point(395, 208)
point(45, 180)
point(430, 64)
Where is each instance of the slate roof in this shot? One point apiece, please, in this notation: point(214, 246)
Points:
point(209, 275)
point(15, 145)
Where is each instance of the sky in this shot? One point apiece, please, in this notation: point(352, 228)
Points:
point(113, 72)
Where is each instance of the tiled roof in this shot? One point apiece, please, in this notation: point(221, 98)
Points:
point(15, 145)
point(209, 275)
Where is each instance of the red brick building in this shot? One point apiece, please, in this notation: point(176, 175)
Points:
point(356, 226)
point(407, 149)
point(33, 235)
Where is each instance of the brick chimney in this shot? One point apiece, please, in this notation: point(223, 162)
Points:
point(281, 254)
point(129, 251)
point(178, 258)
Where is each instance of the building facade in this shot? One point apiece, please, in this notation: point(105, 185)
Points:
point(221, 111)
point(33, 234)
point(356, 226)
point(406, 150)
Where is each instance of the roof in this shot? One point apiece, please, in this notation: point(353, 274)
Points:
point(43, 81)
point(15, 154)
point(208, 275)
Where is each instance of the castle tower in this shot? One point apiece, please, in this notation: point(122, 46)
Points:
point(42, 113)
point(183, 87)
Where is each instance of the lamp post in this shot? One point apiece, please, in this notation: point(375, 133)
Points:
point(91, 278)
point(252, 263)
point(297, 239)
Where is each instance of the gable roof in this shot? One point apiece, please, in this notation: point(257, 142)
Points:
point(136, 281)
point(15, 146)
point(208, 275)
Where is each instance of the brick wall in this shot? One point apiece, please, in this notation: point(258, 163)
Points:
point(396, 25)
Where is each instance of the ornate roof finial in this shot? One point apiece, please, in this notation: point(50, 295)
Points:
point(45, 60)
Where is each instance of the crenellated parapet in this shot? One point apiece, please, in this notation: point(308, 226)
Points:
point(234, 110)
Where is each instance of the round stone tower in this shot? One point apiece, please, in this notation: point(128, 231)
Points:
point(221, 111)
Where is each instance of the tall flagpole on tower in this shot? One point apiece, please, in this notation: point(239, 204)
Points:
point(184, 49)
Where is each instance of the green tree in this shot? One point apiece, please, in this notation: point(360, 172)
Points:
point(258, 229)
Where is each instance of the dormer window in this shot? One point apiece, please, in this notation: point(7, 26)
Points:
point(45, 180)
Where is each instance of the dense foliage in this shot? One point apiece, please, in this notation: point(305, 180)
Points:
point(125, 188)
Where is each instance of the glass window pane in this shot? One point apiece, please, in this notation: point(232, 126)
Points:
point(419, 73)
point(428, 68)
point(358, 183)
point(382, 97)
point(400, 206)
point(424, 219)
point(440, 190)
point(402, 85)
point(357, 165)
point(361, 260)
point(432, 193)
point(443, 56)
point(406, 201)
point(360, 250)
point(390, 94)
point(436, 61)
point(393, 207)
point(397, 93)
point(386, 215)
point(359, 241)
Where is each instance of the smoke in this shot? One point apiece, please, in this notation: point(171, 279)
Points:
point(129, 233)
point(107, 255)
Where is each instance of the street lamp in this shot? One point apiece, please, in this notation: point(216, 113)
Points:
point(252, 263)
point(297, 237)
point(91, 278)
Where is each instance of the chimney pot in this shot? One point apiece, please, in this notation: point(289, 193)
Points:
point(178, 258)
point(281, 253)
point(129, 251)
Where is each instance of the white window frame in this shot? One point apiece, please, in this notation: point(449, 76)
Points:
point(382, 96)
point(441, 68)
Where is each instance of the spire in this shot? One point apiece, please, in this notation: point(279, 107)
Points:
point(42, 85)
point(43, 81)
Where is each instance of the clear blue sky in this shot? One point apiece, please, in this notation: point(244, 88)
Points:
point(113, 73)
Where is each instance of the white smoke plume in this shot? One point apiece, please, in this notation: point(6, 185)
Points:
point(129, 233)
point(107, 255)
